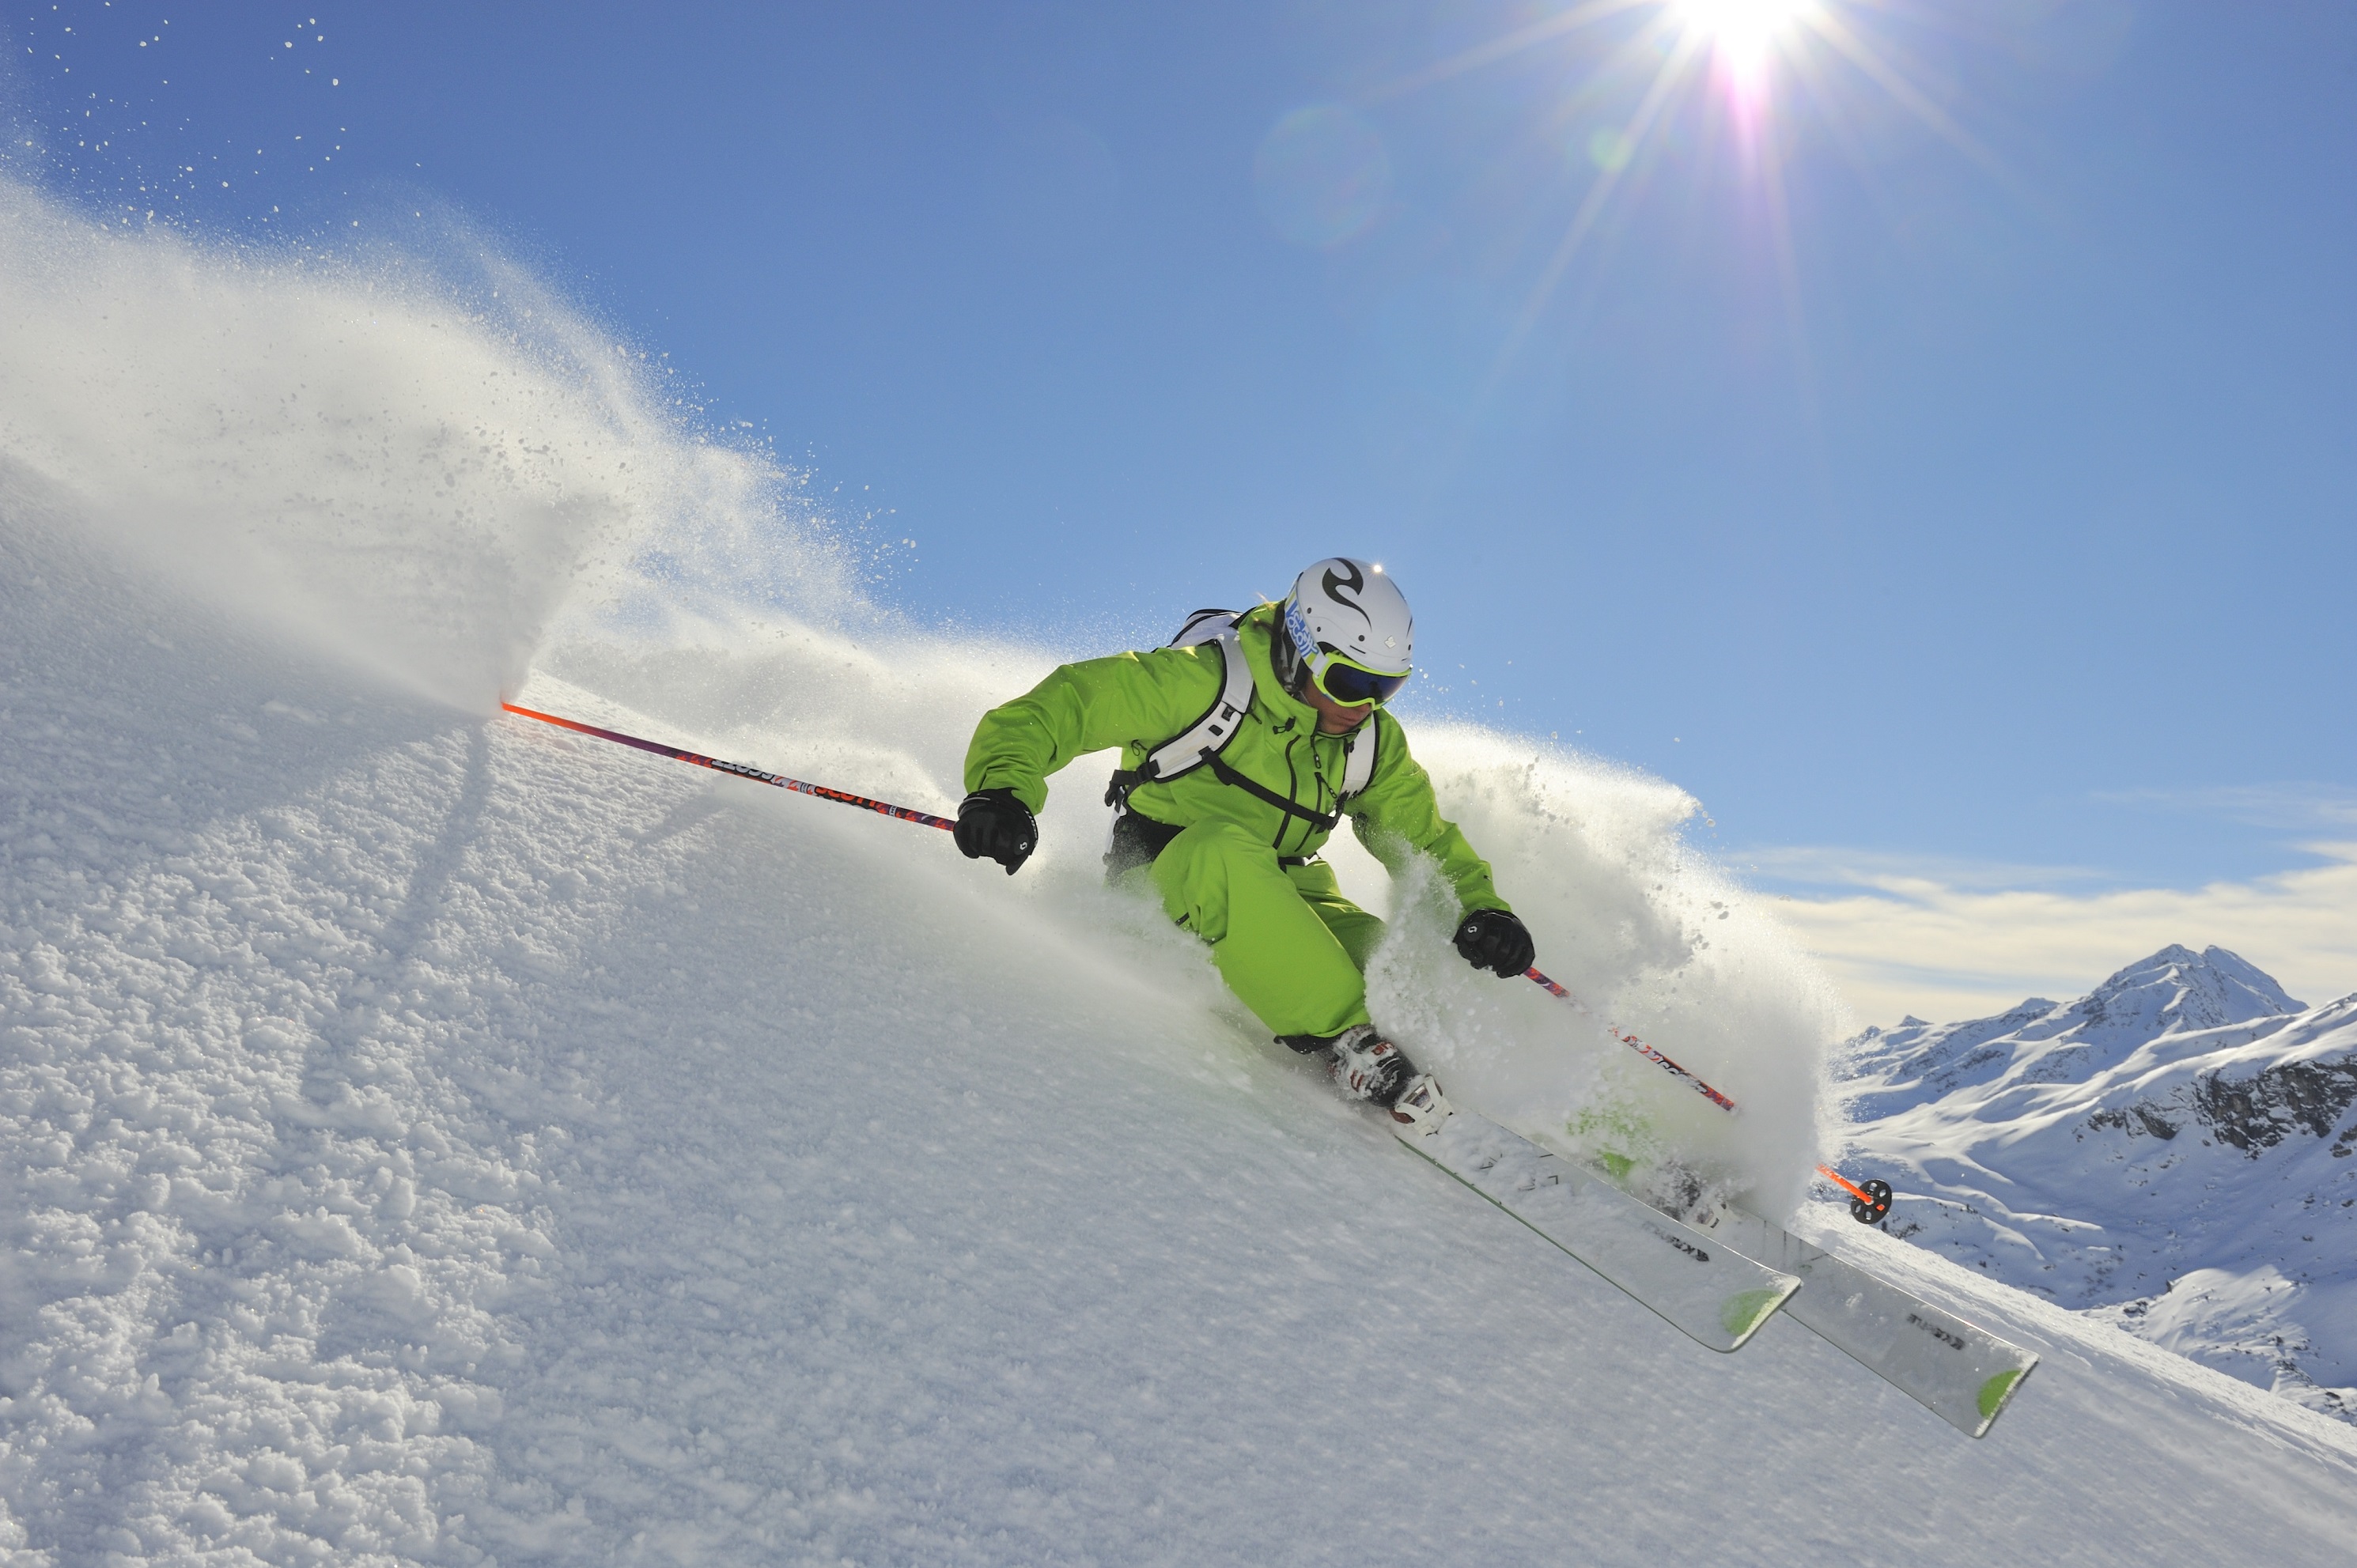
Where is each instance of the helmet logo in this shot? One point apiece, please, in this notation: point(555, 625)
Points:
point(1297, 628)
point(1342, 590)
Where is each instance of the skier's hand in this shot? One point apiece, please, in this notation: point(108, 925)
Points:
point(993, 824)
point(1496, 939)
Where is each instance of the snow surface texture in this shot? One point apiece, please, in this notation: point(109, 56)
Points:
point(2171, 1153)
point(429, 1136)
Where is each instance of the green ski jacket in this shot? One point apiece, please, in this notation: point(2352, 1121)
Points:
point(1137, 701)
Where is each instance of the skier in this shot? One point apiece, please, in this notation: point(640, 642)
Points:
point(1244, 743)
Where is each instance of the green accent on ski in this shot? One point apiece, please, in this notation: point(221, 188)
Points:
point(1992, 1392)
point(1600, 1133)
point(1625, 1124)
point(1746, 1310)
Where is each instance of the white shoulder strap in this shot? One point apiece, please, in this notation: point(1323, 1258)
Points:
point(1359, 757)
point(1202, 627)
point(1185, 751)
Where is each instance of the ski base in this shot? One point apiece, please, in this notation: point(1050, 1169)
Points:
point(1703, 1286)
point(1965, 1375)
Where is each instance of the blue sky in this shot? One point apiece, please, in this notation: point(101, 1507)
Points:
point(1945, 464)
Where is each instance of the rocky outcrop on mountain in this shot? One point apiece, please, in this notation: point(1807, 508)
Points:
point(2172, 1152)
point(2258, 1112)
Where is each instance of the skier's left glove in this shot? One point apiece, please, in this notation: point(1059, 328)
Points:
point(1496, 939)
point(993, 824)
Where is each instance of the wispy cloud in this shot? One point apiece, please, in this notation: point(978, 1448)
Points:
point(1824, 866)
point(2299, 808)
point(1942, 943)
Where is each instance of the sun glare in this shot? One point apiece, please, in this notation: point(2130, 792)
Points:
point(1743, 32)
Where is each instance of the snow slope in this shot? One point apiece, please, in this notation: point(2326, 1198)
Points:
point(431, 1137)
point(2170, 1152)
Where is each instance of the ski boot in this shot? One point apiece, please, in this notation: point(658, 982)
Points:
point(1420, 1107)
point(1365, 1066)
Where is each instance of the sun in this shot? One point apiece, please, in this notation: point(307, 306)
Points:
point(1743, 32)
point(1745, 53)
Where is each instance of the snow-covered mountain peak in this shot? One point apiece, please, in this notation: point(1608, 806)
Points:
point(2177, 990)
point(2173, 992)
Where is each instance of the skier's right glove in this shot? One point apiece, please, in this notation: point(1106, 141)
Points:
point(1495, 940)
point(994, 825)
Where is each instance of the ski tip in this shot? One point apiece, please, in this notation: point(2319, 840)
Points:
point(1997, 1392)
point(1742, 1314)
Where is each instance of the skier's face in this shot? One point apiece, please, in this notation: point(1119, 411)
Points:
point(1333, 718)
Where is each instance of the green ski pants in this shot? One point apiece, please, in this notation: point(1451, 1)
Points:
point(1284, 938)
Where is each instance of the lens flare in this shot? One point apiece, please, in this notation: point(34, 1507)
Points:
point(1647, 74)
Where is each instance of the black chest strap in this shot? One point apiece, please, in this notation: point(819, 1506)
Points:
point(1252, 787)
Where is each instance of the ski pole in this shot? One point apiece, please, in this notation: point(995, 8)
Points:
point(1634, 1043)
point(742, 770)
point(1868, 1204)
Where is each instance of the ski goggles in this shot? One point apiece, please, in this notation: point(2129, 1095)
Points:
point(1351, 683)
point(1344, 679)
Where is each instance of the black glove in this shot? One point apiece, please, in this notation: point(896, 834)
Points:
point(993, 824)
point(1495, 939)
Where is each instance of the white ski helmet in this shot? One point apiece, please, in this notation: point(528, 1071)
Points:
point(1349, 624)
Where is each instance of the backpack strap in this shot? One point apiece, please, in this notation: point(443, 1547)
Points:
point(1359, 758)
point(1358, 771)
point(1201, 741)
point(1189, 749)
point(1204, 625)
point(1254, 787)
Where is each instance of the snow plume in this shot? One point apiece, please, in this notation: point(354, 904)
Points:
point(1651, 936)
point(406, 471)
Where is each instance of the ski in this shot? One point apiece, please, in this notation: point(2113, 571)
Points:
point(1702, 1286)
point(1962, 1374)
